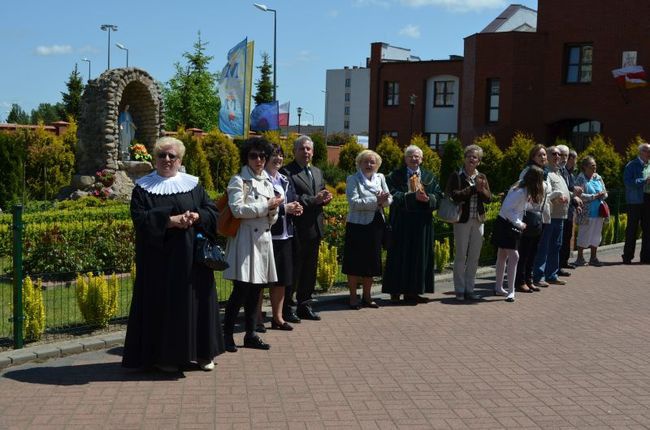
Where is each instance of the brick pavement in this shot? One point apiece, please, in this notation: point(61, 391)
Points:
point(574, 356)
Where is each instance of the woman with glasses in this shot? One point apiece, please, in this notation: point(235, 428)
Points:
point(174, 316)
point(590, 221)
point(251, 198)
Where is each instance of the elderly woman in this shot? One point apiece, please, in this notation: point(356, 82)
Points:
point(251, 198)
point(174, 318)
point(537, 214)
point(282, 233)
point(409, 263)
point(469, 188)
point(367, 195)
point(591, 223)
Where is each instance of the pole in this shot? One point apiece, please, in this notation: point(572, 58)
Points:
point(325, 126)
point(109, 49)
point(275, 53)
point(18, 316)
point(127, 58)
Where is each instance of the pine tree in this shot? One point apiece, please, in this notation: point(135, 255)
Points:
point(17, 115)
point(191, 95)
point(264, 85)
point(72, 99)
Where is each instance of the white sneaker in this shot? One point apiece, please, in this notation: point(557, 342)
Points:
point(206, 365)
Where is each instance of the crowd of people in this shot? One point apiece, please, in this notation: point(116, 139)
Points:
point(174, 316)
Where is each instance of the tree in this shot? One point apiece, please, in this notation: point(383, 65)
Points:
point(491, 161)
point(17, 115)
point(348, 155)
point(191, 96)
point(264, 85)
point(72, 99)
point(46, 113)
point(391, 155)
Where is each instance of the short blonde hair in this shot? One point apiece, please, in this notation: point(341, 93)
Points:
point(474, 148)
point(367, 153)
point(166, 142)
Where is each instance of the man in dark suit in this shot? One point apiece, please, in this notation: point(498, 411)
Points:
point(309, 186)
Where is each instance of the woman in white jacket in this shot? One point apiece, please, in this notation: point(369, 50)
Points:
point(509, 225)
point(367, 195)
point(251, 198)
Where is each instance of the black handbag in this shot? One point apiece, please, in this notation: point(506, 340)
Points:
point(209, 254)
point(533, 221)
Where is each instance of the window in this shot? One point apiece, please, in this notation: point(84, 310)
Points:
point(347, 110)
point(437, 140)
point(443, 93)
point(578, 61)
point(392, 134)
point(346, 124)
point(493, 87)
point(582, 132)
point(347, 97)
point(392, 93)
point(347, 82)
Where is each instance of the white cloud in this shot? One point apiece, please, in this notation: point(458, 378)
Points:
point(53, 50)
point(333, 13)
point(457, 5)
point(87, 49)
point(381, 3)
point(411, 30)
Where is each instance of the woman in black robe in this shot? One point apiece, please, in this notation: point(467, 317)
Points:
point(174, 317)
point(409, 260)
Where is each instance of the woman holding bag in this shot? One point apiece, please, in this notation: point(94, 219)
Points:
point(471, 190)
point(367, 195)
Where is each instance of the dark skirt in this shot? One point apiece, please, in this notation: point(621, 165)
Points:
point(362, 251)
point(282, 250)
point(505, 234)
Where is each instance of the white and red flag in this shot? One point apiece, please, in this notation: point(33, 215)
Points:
point(630, 76)
point(283, 117)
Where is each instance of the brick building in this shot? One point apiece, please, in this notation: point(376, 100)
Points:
point(550, 80)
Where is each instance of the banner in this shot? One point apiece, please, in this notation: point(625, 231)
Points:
point(232, 91)
point(630, 76)
point(265, 117)
point(283, 120)
point(249, 87)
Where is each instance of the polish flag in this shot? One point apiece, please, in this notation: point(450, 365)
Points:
point(630, 76)
point(283, 117)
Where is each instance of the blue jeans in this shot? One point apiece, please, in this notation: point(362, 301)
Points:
point(547, 259)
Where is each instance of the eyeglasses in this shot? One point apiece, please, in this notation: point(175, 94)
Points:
point(256, 155)
point(555, 154)
point(163, 155)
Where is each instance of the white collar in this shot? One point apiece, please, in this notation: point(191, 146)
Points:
point(155, 184)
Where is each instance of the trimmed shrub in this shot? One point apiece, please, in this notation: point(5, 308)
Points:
point(514, 160)
point(320, 149)
point(223, 158)
point(452, 159)
point(50, 163)
point(338, 139)
point(430, 159)
point(195, 159)
point(34, 309)
point(333, 174)
point(491, 162)
point(609, 162)
point(632, 150)
point(97, 298)
point(328, 266)
point(347, 156)
point(392, 156)
point(12, 159)
point(441, 254)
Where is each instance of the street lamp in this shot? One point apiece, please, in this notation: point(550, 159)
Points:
point(124, 48)
point(87, 61)
point(109, 28)
point(325, 91)
point(412, 98)
point(312, 116)
point(299, 109)
point(264, 8)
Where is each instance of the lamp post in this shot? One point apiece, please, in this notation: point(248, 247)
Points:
point(264, 8)
point(412, 98)
point(299, 109)
point(124, 48)
point(87, 61)
point(109, 28)
point(309, 113)
point(325, 126)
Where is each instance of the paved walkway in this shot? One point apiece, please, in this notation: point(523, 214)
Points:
point(574, 356)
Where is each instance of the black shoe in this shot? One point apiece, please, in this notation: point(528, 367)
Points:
point(563, 273)
point(626, 260)
point(230, 344)
point(284, 326)
point(568, 266)
point(472, 297)
point(291, 317)
point(260, 328)
point(255, 342)
point(415, 298)
point(307, 313)
point(510, 300)
point(355, 306)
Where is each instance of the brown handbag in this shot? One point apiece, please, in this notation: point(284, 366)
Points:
point(227, 224)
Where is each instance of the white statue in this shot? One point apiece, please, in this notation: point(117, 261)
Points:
point(127, 132)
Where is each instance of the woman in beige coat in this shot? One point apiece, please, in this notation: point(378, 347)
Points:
point(251, 198)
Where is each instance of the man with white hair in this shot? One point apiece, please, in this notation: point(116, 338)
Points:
point(567, 164)
point(638, 205)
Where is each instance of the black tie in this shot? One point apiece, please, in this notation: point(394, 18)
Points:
point(311, 178)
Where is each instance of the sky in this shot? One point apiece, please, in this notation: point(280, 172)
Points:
point(45, 41)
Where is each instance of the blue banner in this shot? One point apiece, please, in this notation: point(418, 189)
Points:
point(265, 117)
point(232, 91)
